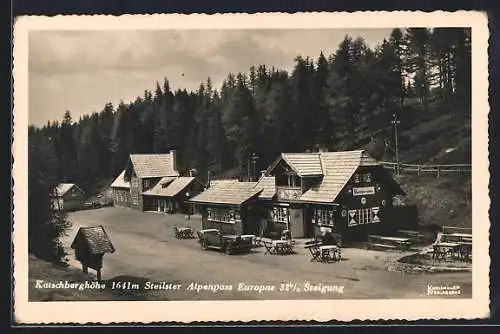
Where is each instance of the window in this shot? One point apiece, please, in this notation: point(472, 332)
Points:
point(279, 215)
point(221, 215)
point(362, 178)
point(324, 217)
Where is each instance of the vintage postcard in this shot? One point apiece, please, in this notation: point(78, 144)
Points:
point(237, 167)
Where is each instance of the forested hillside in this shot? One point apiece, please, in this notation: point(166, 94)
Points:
point(343, 100)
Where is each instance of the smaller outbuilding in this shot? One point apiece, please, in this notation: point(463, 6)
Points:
point(170, 195)
point(68, 196)
point(90, 245)
point(230, 206)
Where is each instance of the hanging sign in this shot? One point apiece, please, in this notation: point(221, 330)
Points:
point(360, 191)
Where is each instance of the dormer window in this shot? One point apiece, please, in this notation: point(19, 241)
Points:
point(362, 178)
point(293, 180)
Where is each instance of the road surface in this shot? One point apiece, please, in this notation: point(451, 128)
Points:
point(147, 251)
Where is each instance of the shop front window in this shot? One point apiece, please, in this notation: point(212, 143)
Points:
point(221, 215)
point(324, 217)
point(279, 215)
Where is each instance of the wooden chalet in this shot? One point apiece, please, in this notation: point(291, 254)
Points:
point(69, 196)
point(230, 206)
point(151, 182)
point(345, 191)
point(90, 245)
point(142, 173)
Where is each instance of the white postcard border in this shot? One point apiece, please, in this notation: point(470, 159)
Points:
point(319, 310)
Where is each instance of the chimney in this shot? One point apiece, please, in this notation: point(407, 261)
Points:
point(262, 172)
point(323, 149)
point(173, 159)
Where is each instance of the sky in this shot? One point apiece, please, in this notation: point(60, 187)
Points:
point(81, 71)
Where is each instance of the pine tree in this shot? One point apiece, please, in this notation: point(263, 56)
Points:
point(45, 224)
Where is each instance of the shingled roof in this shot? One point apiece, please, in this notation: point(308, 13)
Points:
point(63, 188)
point(120, 182)
point(304, 164)
point(151, 165)
point(170, 189)
point(231, 192)
point(268, 186)
point(95, 238)
point(338, 168)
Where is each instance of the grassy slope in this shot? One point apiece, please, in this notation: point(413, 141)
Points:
point(442, 135)
point(41, 270)
point(444, 201)
point(54, 273)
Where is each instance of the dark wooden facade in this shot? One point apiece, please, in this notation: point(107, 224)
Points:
point(355, 200)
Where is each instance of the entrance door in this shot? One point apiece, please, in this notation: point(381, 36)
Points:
point(297, 227)
point(309, 226)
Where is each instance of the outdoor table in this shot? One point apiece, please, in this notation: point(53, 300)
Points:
point(280, 247)
point(329, 252)
point(443, 248)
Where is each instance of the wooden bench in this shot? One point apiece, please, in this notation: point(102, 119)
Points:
point(382, 246)
point(388, 242)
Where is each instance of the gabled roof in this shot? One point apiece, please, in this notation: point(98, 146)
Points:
point(63, 188)
point(338, 169)
point(304, 164)
point(151, 165)
point(172, 188)
point(96, 239)
point(268, 186)
point(120, 182)
point(231, 192)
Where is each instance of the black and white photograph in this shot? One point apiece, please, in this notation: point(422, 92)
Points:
point(290, 163)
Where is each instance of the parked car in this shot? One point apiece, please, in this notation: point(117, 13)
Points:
point(215, 239)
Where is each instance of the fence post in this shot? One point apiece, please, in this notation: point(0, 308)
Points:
point(419, 169)
point(438, 171)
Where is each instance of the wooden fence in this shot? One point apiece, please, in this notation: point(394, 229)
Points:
point(438, 170)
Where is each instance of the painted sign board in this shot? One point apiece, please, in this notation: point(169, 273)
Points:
point(361, 191)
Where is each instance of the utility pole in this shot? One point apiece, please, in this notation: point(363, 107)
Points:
point(248, 169)
point(255, 157)
point(395, 121)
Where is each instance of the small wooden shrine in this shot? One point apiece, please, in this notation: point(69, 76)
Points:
point(90, 245)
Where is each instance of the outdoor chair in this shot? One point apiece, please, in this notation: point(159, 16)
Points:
point(268, 244)
point(177, 233)
point(289, 246)
point(314, 249)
